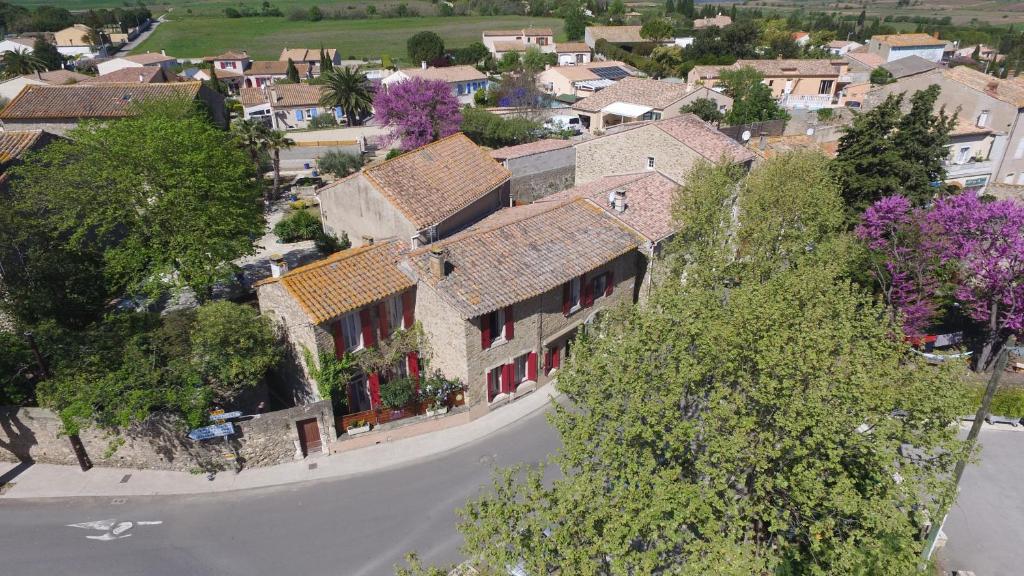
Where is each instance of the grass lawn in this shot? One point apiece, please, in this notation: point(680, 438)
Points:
point(196, 36)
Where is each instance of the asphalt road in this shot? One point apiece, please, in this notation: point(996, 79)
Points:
point(985, 527)
point(353, 527)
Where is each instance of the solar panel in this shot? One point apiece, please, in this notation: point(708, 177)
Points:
point(610, 72)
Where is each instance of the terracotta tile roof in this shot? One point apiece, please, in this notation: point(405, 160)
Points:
point(306, 54)
point(26, 41)
point(503, 33)
point(703, 138)
point(251, 96)
point(229, 55)
point(721, 21)
point(530, 148)
point(58, 77)
point(965, 127)
point(615, 33)
point(649, 198)
point(287, 95)
point(274, 68)
point(538, 32)
point(346, 280)
point(906, 40)
point(14, 143)
point(792, 67)
point(522, 252)
point(1006, 90)
point(102, 100)
point(150, 75)
point(222, 74)
point(799, 35)
point(563, 47)
point(447, 73)
point(435, 181)
point(509, 46)
point(868, 59)
point(703, 72)
point(909, 66)
point(150, 58)
point(841, 43)
point(643, 91)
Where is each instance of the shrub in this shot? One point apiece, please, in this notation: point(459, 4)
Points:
point(340, 164)
point(825, 114)
point(328, 243)
point(488, 129)
point(298, 226)
point(393, 153)
point(397, 393)
point(232, 13)
point(323, 121)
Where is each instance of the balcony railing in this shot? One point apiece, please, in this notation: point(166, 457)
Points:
point(808, 102)
point(382, 415)
point(956, 169)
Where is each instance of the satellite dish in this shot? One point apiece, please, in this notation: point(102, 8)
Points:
point(745, 136)
point(810, 132)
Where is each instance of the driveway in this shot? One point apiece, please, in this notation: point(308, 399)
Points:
point(986, 525)
point(129, 46)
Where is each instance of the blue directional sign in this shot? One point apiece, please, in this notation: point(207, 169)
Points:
point(225, 415)
point(215, 431)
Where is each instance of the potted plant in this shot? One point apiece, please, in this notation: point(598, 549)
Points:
point(358, 427)
point(435, 391)
point(397, 393)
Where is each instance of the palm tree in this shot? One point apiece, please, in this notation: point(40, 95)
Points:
point(275, 141)
point(251, 135)
point(16, 63)
point(348, 89)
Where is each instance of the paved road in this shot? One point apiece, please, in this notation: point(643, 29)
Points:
point(129, 46)
point(359, 526)
point(986, 526)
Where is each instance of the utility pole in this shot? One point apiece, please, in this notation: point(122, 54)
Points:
point(84, 462)
point(972, 438)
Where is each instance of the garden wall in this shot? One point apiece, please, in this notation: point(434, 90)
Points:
point(32, 434)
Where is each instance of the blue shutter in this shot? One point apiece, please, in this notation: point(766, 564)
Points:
point(312, 112)
point(338, 112)
point(298, 114)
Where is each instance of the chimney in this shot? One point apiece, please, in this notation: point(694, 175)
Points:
point(437, 263)
point(278, 266)
point(163, 52)
point(992, 86)
point(141, 78)
point(423, 64)
point(368, 240)
point(762, 142)
point(619, 200)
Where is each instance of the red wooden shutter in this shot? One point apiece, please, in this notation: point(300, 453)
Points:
point(366, 322)
point(510, 324)
point(531, 367)
point(407, 309)
point(485, 331)
point(611, 284)
point(507, 373)
point(566, 298)
point(382, 311)
point(555, 358)
point(414, 365)
point(339, 340)
point(374, 390)
point(588, 291)
point(490, 387)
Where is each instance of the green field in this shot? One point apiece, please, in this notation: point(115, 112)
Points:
point(196, 36)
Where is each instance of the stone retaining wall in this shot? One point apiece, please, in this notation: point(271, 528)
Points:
point(161, 443)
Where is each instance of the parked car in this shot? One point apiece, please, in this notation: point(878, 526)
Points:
point(564, 122)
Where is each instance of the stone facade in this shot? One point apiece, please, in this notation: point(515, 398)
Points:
point(161, 443)
point(299, 335)
point(538, 175)
point(539, 326)
point(628, 151)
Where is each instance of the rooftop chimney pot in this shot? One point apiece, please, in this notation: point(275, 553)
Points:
point(438, 265)
point(423, 64)
point(278, 265)
point(619, 200)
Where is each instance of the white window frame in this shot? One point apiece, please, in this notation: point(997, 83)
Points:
point(352, 321)
point(963, 154)
point(650, 162)
point(598, 294)
point(497, 336)
point(396, 316)
point(517, 377)
point(575, 294)
point(497, 373)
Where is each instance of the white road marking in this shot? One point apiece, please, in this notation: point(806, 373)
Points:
point(112, 529)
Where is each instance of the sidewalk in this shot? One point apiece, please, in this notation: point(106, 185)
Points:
point(54, 481)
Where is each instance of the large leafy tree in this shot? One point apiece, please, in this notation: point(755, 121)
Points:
point(163, 198)
point(574, 22)
point(657, 30)
point(417, 112)
point(233, 346)
point(705, 108)
point(425, 46)
point(48, 54)
point(752, 99)
point(349, 89)
point(885, 152)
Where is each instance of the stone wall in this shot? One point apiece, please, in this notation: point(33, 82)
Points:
point(299, 335)
point(627, 152)
point(161, 443)
point(539, 175)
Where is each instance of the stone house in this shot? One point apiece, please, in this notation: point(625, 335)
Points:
point(284, 106)
point(262, 73)
point(630, 100)
point(231, 60)
point(582, 80)
point(672, 147)
point(11, 88)
point(501, 41)
point(795, 83)
point(149, 59)
point(895, 46)
point(343, 304)
point(464, 80)
point(538, 168)
point(421, 196)
point(501, 302)
point(572, 53)
point(57, 109)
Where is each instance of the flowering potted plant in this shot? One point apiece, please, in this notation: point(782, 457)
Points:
point(435, 390)
point(357, 427)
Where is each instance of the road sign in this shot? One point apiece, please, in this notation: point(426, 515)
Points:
point(215, 431)
point(224, 415)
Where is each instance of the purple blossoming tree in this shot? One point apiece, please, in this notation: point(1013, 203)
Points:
point(960, 248)
point(417, 112)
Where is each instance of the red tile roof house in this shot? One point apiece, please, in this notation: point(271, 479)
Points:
point(285, 106)
point(421, 196)
point(344, 304)
point(57, 109)
point(673, 147)
point(501, 302)
point(538, 168)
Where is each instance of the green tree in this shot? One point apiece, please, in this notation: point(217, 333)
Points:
point(574, 22)
point(881, 76)
point(326, 64)
point(687, 8)
point(349, 89)
point(657, 30)
point(339, 163)
point(251, 135)
point(670, 7)
point(163, 197)
point(19, 62)
point(425, 47)
point(705, 108)
point(214, 83)
point(48, 54)
point(752, 99)
point(534, 60)
point(923, 139)
point(233, 346)
point(274, 142)
point(747, 431)
point(292, 73)
point(509, 62)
